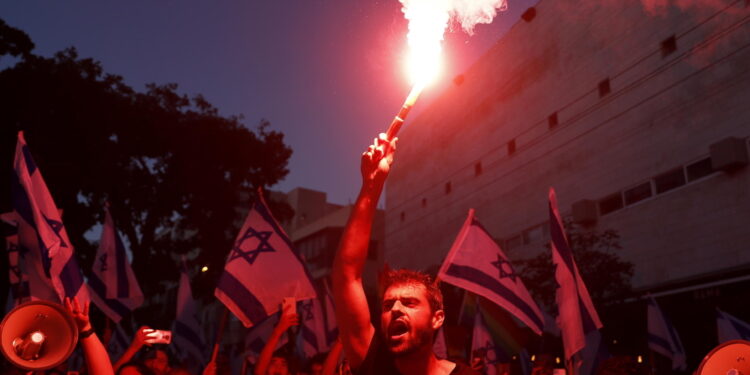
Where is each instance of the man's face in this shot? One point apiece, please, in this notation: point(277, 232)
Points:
point(406, 320)
point(278, 366)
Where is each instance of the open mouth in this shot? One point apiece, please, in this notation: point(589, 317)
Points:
point(397, 329)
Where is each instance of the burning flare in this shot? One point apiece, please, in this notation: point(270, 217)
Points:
point(428, 20)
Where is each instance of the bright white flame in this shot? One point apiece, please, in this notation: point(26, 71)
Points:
point(204, 269)
point(37, 337)
point(640, 359)
point(428, 20)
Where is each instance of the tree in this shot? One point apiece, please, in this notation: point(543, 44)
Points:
point(607, 277)
point(175, 171)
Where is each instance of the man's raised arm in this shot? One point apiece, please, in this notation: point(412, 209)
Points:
point(352, 312)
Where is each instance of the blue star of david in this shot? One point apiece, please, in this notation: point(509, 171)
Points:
point(307, 310)
point(56, 227)
point(251, 255)
point(103, 263)
point(505, 268)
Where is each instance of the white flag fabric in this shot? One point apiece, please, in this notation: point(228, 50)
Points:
point(259, 333)
point(663, 338)
point(41, 230)
point(312, 333)
point(482, 344)
point(332, 327)
point(118, 343)
point(476, 263)
point(440, 348)
point(262, 269)
point(113, 285)
point(577, 315)
point(187, 328)
point(19, 280)
point(730, 328)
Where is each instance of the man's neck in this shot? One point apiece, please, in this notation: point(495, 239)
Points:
point(423, 362)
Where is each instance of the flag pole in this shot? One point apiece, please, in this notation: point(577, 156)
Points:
point(220, 334)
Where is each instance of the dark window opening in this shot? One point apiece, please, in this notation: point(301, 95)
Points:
point(448, 187)
point(552, 121)
point(699, 169)
point(424, 202)
point(478, 168)
point(512, 147)
point(670, 180)
point(604, 88)
point(403, 215)
point(668, 46)
point(610, 203)
point(638, 193)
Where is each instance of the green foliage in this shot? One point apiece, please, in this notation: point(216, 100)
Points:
point(607, 277)
point(175, 171)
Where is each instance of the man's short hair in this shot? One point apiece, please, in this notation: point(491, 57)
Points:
point(391, 277)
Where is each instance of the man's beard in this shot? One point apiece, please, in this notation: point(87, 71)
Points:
point(421, 338)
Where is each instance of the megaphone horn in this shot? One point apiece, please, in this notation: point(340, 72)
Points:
point(38, 335)
point(731, 358)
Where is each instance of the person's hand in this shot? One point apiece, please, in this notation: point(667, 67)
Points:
point(80, 313)
point(139, 339)
point(288, 318)
point(377, 160)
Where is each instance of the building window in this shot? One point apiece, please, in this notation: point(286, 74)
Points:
point(448, 187)
point(699, 169)
point(424, 202)
point(610, 203)
point(638, 193)
point(512, 147)
point(403, 215)
point(668, 46)
point(670, 180)
point(552, 121)
point(478, 168)
point(604, 88)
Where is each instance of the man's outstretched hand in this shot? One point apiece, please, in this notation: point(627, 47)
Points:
point(377, 160)
point(80, 313)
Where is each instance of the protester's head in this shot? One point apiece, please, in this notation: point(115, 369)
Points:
point(157, 361)
point(315, 366)
point(412, 310)
point(279, 364)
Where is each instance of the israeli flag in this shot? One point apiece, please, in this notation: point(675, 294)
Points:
point(663, 338)
point(312, 332)
point(41, 230)
point(482, 345)
point(262, 269)
point(332, 327)
point(118, 343)
point(476, 263)
point(114, 288)
point(729, 328)
point(577, 316)
point(259, 333)
point(19, 280)
point(187, 328)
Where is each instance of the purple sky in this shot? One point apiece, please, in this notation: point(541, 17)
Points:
point(327, 73)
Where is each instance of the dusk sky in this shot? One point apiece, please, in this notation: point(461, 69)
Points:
point(327, 73)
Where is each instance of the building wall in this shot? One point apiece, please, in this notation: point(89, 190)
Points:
point(662, 111)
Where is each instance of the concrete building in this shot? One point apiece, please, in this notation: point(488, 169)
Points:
point(316, 228)
point(637, 114)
